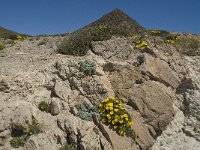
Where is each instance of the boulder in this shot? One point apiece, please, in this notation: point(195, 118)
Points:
point(159, 70)
point(55, 106)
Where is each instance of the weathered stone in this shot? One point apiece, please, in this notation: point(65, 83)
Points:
point(3, 136)
point(119, 142)
point(42, 141)
point(81, 132)
point(4, 86)
point(159, 70)
point(114, 49)
point(55, 106)
point(62, 90)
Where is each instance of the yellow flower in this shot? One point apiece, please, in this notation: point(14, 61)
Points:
point(121, 121)
point(116, 101)
point(121, 132)
point(103, 120)
point(125, 116)
point(108, 116)
point(130, 123)
point(111, 108)
point(110, 104)
point(107, 108)
point(116, 119)
point(111, 112)
point(116, 110)
point(113, 122)
point(126, 119)
point(115, 127)
point(100, 105)
point(121, 107)
point(107, 99)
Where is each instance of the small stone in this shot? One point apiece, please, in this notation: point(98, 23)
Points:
point(55, 106)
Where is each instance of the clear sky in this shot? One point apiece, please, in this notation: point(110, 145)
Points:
point(61, 16)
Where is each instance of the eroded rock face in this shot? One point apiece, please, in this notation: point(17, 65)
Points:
point(183, 131)
point(115, 49)
point(152, 99)
point(159, 70)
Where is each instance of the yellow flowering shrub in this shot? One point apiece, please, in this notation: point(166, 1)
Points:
point(171, 39)
point(114, 114)
point(142, 44)
point(21, 37)
point(14, 43)
point(2, 46)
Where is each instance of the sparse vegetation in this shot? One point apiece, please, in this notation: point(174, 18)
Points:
point(2, 46)
point(75, 45)
point(41, 43)
point(33, 128)
point(88, 67)
point(161, 33)
point(142, 44)
point(166, 36)
point(17, 142)
point(13, 36)
point(85, 112)
point(115, 116)
point(171, 39)
point(43, 106)
point(188, 46)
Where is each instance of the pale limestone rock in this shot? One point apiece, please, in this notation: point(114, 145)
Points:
point(159, 70)
point(55, 106)
point(62, 90)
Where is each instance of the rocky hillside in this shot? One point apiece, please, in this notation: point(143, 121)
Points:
point(50, 101)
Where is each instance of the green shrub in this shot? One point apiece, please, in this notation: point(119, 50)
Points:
point(13, 36)
point(33, 128)
point(171, 39)
point(17, 142)
point(104, 32)
point(2, 46)
point(85, 112)
point(75, 45)
point(100, 34)
point(41, 43)
point(188, 45)
point(68, 147)
point(43, 106)
point(166, 36)
point(87, 67)
point(160, 33)
point(142, 44)
point(115, 116)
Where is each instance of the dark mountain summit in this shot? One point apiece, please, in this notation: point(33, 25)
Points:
point(118, 19)
point(115, 19)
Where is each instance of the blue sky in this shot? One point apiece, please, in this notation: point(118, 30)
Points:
point(61, 16)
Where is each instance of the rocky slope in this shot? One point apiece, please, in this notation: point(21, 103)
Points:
point(159, 86)
point(160, 91)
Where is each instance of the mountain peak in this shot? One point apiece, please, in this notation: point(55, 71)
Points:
point(116, 19)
